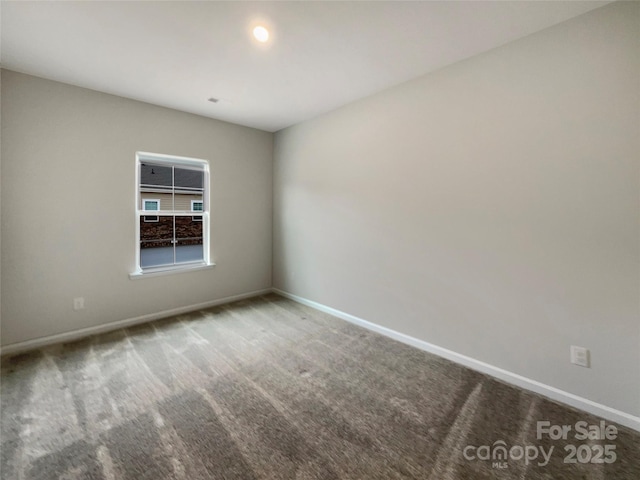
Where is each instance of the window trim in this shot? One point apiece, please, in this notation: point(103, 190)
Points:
point(183, 162)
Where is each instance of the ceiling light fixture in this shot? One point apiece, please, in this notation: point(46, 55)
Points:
point(261, 34)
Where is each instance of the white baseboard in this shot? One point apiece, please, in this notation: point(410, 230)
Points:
point(553, 393)
point(107, 327)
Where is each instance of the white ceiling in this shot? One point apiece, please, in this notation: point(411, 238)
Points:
point(322, 54)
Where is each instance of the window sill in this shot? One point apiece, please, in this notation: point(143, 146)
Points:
point(158, 272)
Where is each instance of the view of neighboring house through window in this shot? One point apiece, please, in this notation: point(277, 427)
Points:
point(176, 234)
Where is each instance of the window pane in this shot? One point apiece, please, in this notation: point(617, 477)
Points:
point(184, 201)
point(155, 175)
point(156, 241)
point(189, 179)
point(189, 245)
point(150, 205)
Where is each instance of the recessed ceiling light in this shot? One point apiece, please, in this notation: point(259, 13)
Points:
point(261, 34)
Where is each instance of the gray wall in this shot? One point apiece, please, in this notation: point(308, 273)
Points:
point(68, 200)
point(490, 208)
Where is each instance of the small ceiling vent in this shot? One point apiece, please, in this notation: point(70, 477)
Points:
point(214, 100)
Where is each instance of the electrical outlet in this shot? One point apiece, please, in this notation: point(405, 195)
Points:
point(78, 303)
point(580, 356)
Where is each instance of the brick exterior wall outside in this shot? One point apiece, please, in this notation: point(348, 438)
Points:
point(160, 233)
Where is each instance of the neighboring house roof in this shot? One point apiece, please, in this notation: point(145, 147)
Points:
point(162, 177)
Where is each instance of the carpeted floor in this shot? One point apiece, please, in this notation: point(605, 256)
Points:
point(270, 389)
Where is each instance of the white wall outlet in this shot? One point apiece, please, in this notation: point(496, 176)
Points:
point(580, 356)
point(78, 303)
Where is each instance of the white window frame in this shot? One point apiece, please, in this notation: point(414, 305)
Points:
point(203, 165)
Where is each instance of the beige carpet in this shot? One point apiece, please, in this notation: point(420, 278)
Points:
point(269, 389)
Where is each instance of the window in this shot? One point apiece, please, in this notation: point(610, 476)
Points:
point(196, 206)
point(151, 204)
point(173, 188)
